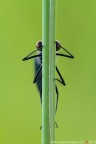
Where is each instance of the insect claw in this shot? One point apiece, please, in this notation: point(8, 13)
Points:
point(23, 59)
point(40, 127)
point(56, 125)
point(64, 83)
point(72, 56)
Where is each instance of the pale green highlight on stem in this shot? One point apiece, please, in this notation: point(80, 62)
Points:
point(52, 50)
point(45, 72)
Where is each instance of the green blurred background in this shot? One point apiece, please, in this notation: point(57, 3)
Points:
point(20, 109)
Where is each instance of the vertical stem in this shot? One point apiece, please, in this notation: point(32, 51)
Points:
point(45, 72)
point(48, 71)
point(52, 71)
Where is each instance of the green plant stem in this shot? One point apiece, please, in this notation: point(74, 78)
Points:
point(52, 68)
point(48, 71)
point(45, 72)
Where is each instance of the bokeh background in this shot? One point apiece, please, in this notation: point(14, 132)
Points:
point(20, 109)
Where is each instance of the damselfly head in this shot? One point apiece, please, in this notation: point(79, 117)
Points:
point(39, 45)
point(58, 45)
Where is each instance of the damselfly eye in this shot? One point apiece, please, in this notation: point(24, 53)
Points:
point(58, 45)
point(39, 45)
